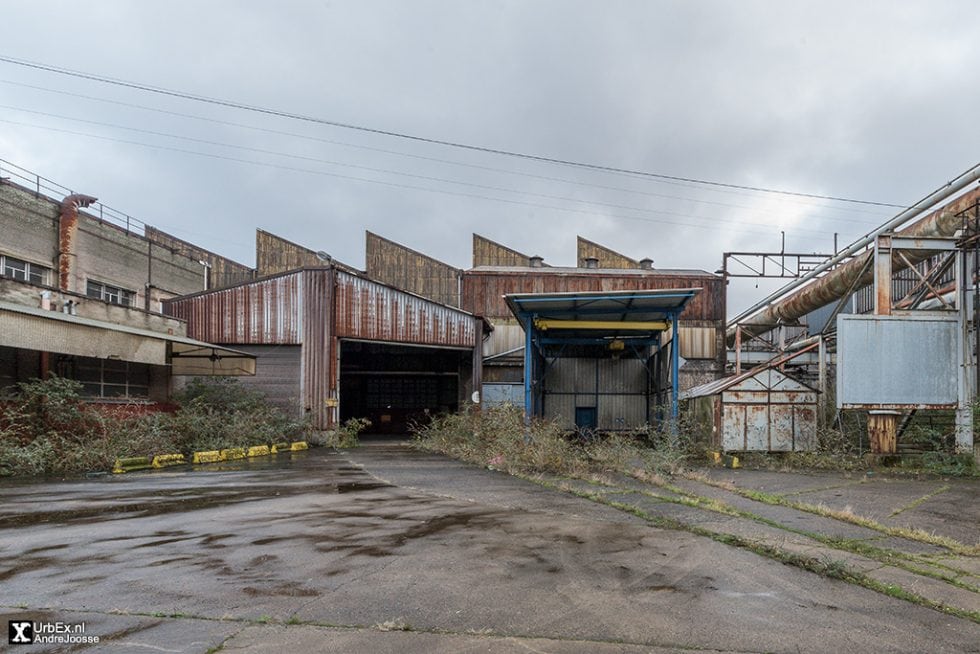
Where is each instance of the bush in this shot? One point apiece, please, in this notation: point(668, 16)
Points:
point(497, 437)
point(46, 428)
point(343, 436)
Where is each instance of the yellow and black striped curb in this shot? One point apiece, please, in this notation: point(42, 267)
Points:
point(130, 464)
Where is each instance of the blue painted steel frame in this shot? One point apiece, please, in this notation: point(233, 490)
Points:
point(533, 339)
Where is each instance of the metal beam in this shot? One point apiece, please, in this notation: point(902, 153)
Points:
point(783, 306)
point(606, 325)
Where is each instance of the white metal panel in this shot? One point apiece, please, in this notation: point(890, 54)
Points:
point(733, 427)
point(896, 361)
point(497, 394)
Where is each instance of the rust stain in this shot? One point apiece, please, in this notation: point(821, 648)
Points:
point(67, 231)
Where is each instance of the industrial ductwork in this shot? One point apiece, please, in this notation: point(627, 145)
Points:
point(67, 234)
point(815, 291)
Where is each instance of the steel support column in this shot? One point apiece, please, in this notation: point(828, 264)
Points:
point(675, 367)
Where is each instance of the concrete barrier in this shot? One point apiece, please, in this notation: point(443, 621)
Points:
point(258, 450)
point(132, 463)
point(166, 460)
point(233, 453)
point(211, 456)
point(280, 447)
point(300, 445)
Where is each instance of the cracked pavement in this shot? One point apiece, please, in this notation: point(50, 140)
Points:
point(384, 548)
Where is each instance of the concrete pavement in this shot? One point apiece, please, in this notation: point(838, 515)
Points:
point(388, 549)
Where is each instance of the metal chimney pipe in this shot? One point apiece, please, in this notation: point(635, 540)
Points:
point(536, 261)
point(646, 264)
point(67, 231)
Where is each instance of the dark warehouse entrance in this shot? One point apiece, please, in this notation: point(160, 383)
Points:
point(395, 386)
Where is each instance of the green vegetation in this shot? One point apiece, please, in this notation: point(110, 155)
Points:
point(46, 428)
point(498, 438)
point(343, 436)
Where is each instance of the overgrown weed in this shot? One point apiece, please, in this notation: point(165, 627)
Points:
point(46, 428)
point(498, 437)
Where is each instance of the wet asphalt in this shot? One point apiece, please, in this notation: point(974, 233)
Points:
point(385, 548)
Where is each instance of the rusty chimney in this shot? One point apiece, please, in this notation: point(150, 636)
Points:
point(536, 261)
point(67, 233)
point(591, 262)
point(646, 263)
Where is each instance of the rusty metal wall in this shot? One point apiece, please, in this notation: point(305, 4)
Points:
point(395, 264)
point(484, 290)
point(768, 412)
point(319, 374)
point(263, 312)
point(491, 253)
point(274, 254)
point(373, 311)
point(607, 258)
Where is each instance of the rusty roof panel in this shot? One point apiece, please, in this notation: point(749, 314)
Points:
point(484, 289)
point(264, 312)
point(372, 311)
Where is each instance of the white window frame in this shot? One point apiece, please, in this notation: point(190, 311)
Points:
point(30, 272)
point(109, 293)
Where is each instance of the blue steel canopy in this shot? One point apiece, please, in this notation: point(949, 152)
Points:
point(596, 317)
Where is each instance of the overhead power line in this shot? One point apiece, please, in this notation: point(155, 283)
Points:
point(563, 180)
point(413, 137)
point(736, 225)
point(385, 171)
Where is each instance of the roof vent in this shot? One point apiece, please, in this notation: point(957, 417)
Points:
point(536, 261)
point(646, 264)
point(591, 262)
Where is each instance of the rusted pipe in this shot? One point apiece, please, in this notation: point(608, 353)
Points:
point(942, 222)
point(67, 232)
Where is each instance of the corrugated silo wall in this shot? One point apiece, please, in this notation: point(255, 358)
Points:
point(404, 268)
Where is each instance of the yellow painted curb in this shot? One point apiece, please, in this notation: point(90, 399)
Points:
point(715, 457)
point(131, 463)
point(211, 456)
point(259, 450)
point(301, 445)
point(233, 453)
point(732, 462)
point(280, 447)
point(164, 460)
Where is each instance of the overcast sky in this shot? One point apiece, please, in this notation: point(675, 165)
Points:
point(866, 100)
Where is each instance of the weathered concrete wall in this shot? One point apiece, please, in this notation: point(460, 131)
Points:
point(103, 252)
point(223, 272)
point(86, 307)
point(29, 225)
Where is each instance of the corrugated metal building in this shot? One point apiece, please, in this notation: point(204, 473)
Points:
point(761, 410)
point(702, 324)
point(333, 344)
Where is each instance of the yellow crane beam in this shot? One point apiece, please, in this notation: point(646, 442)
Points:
point(605, 325)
